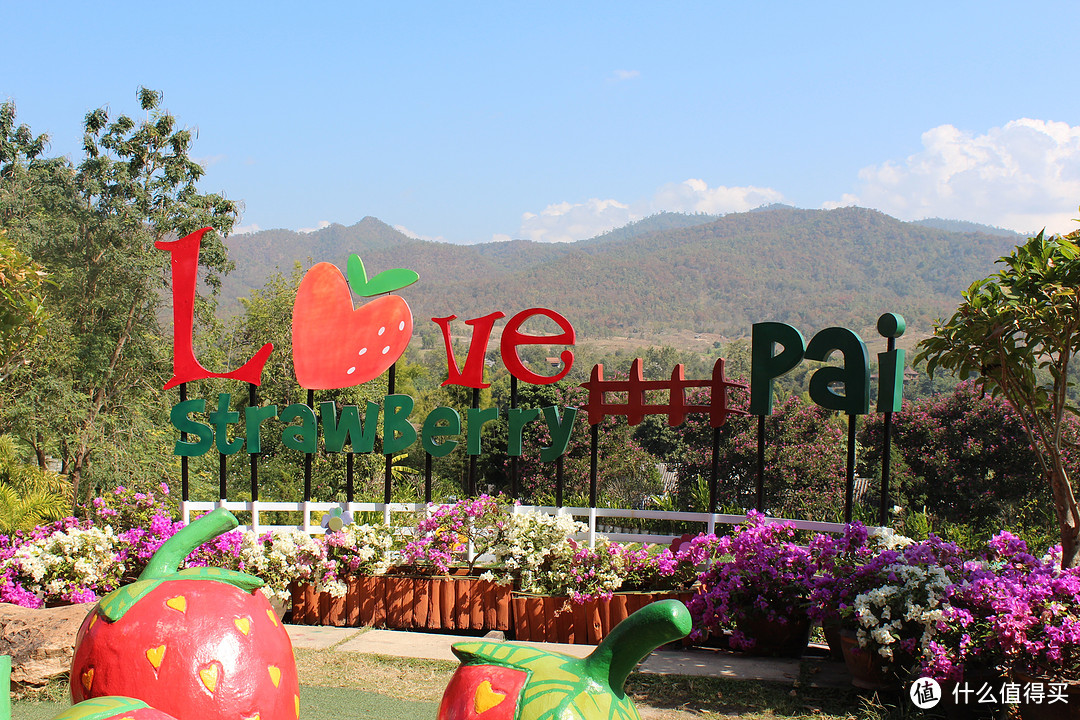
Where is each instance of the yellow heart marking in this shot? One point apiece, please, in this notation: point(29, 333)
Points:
point(243, 625)
point(155, 655)
point(272, 615)
point(177, 603)
point(93, 619)
point(486, 698)
point(209, 677)
point(88, 679)
point(275, 675)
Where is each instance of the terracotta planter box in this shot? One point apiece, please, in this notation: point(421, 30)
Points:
point(408, 603)
point(543, 618)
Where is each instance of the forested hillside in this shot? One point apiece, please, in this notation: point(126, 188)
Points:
point(810, 268)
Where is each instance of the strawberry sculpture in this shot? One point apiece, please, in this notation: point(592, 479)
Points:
point(506, 681)
point(199, 643)
point(338, 346)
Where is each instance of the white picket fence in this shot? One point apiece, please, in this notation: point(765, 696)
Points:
point(708, 521)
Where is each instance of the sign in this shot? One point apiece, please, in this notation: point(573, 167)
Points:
point(336, 345)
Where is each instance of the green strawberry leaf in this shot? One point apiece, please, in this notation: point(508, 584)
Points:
point(385, 282)
point(162, 567)
point(114, 605)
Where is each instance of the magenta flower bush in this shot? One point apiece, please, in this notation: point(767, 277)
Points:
point(1010, 609)
point(443, 537)
point(760, 573)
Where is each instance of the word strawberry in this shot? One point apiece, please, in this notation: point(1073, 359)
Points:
point(199, 643)
point(338, 346)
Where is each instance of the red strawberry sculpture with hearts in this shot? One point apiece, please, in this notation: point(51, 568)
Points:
point(338, 346)
point(199, 643)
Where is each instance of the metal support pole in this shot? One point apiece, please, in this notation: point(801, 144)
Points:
point(759, 502)
point(253, 400)
point(308, 458)
point(849, 492)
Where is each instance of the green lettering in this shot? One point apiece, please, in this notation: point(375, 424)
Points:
point(854, 375)
point(338, 431)
point(518, 418)
point(303, 437)
point(398, 432)
point(253, 420)
point(181, 421)
point(221, 419)
point(477, 417)
point(765, 366)
point(432, 430)
point(560, 431)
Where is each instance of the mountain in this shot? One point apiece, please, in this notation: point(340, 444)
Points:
point(966, 226)
point(669, 273)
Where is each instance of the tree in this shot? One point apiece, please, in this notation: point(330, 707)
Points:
point(93, 227)
point(1017, 331)
point(962, 455)
point(22, 310)
point(804, 459)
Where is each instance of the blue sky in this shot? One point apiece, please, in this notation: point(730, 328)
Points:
point(469, 122)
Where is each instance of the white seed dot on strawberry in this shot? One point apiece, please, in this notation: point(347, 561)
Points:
point(382, 330)
point(401, 326)
point(363, 350)
point(386, 350)
point(350, 371)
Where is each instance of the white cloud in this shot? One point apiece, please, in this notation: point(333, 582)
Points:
point(621, 75)
point(1023, 176)
point(417, 236)
point(246, 229)
point(318, 226)
point(696, 196)
point(567, 222)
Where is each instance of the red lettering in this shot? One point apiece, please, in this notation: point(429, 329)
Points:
point(512, 337)
point(472, 374)
point(186, 367)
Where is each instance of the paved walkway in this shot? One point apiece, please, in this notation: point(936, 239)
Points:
point(693, 661)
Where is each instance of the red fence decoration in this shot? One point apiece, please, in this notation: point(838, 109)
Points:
point(637, 406)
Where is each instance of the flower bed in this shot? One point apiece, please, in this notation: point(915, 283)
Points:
point(926, 607)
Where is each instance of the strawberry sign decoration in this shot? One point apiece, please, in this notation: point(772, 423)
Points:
point(336, 345)
point(196, 643)
point(507, 681)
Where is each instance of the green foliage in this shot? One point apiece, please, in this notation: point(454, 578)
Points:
point(29, 495)
point(964, 456)
point(93, 227)
point(1017, 331)
point(22, 311)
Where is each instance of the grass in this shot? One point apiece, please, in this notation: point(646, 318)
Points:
point(369, 687)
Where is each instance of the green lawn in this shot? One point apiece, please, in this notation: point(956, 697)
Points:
point(349, 686)
point(317, 702)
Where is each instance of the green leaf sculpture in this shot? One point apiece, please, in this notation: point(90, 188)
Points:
point(385, 282)
point(507, 681)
